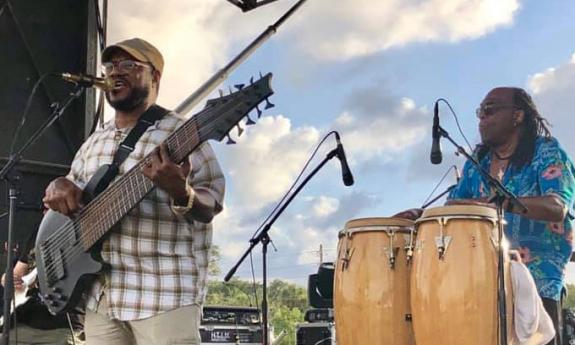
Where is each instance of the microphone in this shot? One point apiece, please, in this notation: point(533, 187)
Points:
point(346, 175)
point(87, 80)
point(435, 155)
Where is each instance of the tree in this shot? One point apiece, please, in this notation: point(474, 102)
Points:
point(287, 302)
point(214, 263)
point(570, 300)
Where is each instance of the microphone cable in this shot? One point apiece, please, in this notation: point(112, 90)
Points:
point(294, 182)
point(456, 120)
point(454, 168)
point(27, 109)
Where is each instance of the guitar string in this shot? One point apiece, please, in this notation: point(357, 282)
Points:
point(134, 173)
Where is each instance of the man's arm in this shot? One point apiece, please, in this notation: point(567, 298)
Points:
point(548, 208)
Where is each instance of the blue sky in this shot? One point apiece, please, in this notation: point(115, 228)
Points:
point(370, 69)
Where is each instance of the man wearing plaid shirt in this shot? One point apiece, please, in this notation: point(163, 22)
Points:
point(157, 254)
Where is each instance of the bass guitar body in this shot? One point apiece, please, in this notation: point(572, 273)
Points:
point(64, 268)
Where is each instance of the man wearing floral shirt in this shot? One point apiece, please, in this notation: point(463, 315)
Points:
point(517, 148)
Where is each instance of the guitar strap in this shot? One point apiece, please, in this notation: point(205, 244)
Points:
point(104, 176)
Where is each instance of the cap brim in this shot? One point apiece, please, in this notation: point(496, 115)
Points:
point(133, 52)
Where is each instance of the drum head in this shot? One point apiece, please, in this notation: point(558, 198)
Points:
point(460, 210)
point(376, 224)
point(378, 221)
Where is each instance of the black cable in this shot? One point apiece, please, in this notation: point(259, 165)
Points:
point(456, 121)
point(27, 110)
point(294, 182)
point(453, 167)
point(255, 287)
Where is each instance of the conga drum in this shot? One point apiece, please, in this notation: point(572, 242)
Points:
point(454, 278)
point(371, 282)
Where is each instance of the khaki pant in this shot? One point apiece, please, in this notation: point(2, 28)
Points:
point(32, 336)
point(176, 327)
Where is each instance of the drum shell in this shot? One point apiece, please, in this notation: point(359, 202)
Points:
point(454, 297)
point(371, 298)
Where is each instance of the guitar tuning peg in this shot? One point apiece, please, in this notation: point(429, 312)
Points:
point(239, 86)
point(230, 89)
point(251, 80)
point(269, 104)
point(230, 141)
point(261, 75)
point(250, 122)
point(240, 130)
point(221, 92)
point(259, 111)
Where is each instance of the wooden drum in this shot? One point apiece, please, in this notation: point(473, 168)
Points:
point(454, 277)
point(371, 283)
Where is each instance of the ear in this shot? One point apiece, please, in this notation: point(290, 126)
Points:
point(156, 75)
point(519, 116)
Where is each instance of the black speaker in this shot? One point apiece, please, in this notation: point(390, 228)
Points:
point(320, 287)
point(315, 334)
point(39, 37)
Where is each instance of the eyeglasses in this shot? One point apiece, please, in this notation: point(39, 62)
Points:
point(491, 109)
point(121, 66)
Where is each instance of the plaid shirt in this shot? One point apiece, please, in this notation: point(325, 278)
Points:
point(157, 260)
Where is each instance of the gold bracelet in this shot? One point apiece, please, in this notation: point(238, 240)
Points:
point(181, 210)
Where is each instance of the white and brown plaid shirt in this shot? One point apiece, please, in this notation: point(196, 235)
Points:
point(157, 260)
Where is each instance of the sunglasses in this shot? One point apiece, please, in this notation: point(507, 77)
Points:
point(121, 66)
point(491, 109)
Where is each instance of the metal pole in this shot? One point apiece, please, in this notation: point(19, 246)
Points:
point(223, 74)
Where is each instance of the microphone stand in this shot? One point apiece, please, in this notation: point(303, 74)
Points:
point(501, 195)
point(265, 239)
point(13, 178)
point(223, 74)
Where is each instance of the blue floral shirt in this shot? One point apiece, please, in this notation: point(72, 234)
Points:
point(544, 246)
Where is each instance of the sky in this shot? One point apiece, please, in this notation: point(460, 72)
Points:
point(370, 69)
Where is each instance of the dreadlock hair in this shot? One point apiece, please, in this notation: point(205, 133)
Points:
point(533, 126)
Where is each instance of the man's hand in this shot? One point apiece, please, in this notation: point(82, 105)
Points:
point(168, 175)
point(63, 196)
point(20, 270)
point(411, 214)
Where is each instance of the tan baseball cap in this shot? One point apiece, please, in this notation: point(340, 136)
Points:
point(140, 49)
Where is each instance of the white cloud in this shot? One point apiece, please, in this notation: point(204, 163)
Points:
point(360, 27)
point(267, 159)
point(378, 125)
point(325, 206)
point(553, 91)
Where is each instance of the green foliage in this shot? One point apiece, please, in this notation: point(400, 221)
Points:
point(569, 302)
point(287, 301)
point(214, 263)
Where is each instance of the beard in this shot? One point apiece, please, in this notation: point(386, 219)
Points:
point(136, 98)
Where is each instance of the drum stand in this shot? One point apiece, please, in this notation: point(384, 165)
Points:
point(265, 239)
point(13, 179)
point(502, 194)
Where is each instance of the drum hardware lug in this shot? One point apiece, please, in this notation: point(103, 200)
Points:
point(408, 253)
point(495, 242)
point(408, 317)
point(442, 243)
point(392, 255)
point(347, 258)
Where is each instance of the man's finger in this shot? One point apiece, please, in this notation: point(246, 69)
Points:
point(164, 155)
